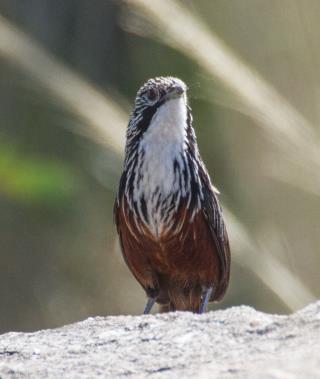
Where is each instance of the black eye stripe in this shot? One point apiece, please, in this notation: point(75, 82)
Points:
point(146, 118)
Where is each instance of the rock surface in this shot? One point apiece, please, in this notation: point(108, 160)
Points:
point(236, 343)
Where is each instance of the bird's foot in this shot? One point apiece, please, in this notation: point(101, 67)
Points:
point(206, 294)
point(149, 305)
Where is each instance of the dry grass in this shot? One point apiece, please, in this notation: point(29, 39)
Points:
point(103, 121)
point(288, 130)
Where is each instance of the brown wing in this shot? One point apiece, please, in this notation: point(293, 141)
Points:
point(213, 215)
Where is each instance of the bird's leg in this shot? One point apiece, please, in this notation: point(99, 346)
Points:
point(206, 294)
point(149, 305)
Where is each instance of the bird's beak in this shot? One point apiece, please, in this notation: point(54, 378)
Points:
point(175, 92)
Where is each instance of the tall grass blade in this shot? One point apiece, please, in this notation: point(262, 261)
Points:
point(295, 137)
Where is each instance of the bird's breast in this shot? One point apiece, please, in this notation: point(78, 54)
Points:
point(159, 187)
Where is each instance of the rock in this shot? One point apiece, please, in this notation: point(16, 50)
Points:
point(235, 343)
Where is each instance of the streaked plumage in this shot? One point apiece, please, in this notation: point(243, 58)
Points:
point(168, 217)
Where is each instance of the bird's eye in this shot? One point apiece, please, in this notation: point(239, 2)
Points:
point(152, 94)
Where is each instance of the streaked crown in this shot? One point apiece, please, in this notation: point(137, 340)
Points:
point(157, 90)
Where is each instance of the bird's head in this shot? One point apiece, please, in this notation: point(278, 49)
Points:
point(160, 113)
point(156, 92)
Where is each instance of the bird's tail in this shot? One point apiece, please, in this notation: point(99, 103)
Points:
point(183, 300)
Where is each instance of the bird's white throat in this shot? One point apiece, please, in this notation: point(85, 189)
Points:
point(162, 144)
point(168, 125)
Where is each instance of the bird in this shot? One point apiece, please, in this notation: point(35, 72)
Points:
point(170, 224)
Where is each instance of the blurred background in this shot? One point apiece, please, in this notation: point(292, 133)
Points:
point(69, 72)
